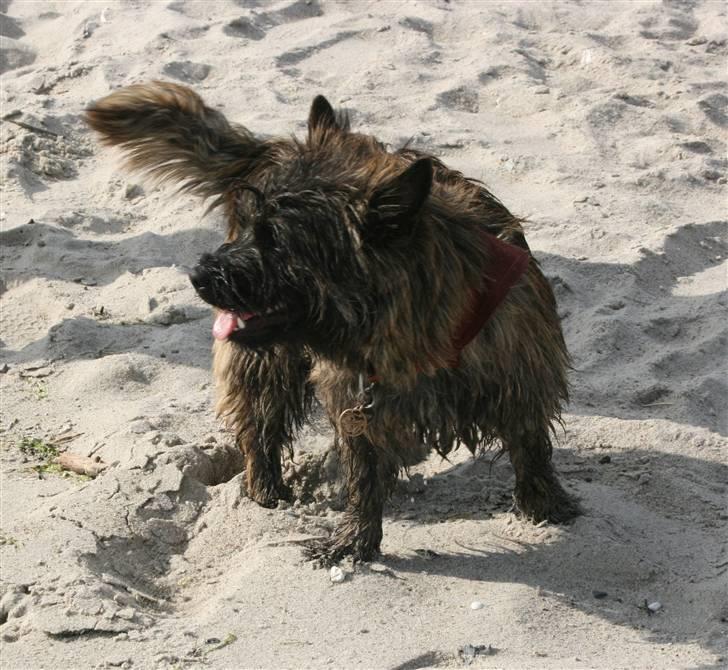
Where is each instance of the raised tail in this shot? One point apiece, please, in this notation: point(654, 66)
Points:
point(168, 132)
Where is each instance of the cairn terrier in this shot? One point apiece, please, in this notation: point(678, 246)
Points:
point(398, 291)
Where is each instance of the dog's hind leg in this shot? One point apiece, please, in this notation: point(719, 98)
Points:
point(371, 475)
point(538, 495)
point(264, 398)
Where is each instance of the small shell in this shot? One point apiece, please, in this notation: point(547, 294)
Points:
point(476, 605)
point(336, 574)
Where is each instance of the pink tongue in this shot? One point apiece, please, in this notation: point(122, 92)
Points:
point(225, 323)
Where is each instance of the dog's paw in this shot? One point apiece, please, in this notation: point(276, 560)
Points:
point(564, 511)
point(554, 506)
point(321, 553)
point(269, 497)
point(328, 552)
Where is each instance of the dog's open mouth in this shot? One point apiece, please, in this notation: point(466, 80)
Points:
point(242, 324)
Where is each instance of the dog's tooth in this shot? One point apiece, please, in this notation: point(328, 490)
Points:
point(241, 323)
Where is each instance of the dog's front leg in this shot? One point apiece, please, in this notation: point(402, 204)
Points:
point(263, 470)
point(264, 398)
point(371, 474)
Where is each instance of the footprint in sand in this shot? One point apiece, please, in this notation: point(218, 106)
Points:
point(606, 114)
point(295, 56)
point(187, 70)
point(256, 26)
point(669, 25)
point(417, 24)
point(461, 99)
point(297, 11)
point(494, 72)
point(177, 6)
point(697, 147)
point(251, 29)
point(715, 107)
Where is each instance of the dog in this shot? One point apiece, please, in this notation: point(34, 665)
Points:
point(395, 290)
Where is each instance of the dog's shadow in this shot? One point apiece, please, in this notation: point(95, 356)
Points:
point(649, 340)
point(643, 346)
point(653, 530)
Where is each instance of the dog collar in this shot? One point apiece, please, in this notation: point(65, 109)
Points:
point(507, 264)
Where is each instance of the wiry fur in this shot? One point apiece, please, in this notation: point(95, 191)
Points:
point(371, 258)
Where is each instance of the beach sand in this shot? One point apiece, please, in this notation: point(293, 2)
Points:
point(604, 124)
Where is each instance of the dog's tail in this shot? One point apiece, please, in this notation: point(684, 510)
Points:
point(167, 131)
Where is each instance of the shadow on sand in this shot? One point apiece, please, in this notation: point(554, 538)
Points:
point(660, 538)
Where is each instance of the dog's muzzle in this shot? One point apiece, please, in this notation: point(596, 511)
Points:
point(201, 279)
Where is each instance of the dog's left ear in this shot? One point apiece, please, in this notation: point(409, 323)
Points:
point(323, 118)
point(393, 207)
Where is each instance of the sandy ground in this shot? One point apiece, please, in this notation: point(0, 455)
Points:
point(604, 123)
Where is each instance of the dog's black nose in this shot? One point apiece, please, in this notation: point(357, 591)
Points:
point(198, 275)
point(202, 281)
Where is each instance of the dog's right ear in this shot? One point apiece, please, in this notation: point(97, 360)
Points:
point(322, 119)
point(166, 130)
point(394, 206)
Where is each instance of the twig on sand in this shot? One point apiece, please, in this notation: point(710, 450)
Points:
point(81, 465)
point(292, 540)
point(28, 126)
point(64, 438)
point(115, 581)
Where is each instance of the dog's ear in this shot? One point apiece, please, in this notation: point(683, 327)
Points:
point(322, 119)
point(322, 114)
point(166, 130)
point(393, 207)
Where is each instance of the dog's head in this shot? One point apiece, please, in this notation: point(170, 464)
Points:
point(299, 261)
point(323, 234)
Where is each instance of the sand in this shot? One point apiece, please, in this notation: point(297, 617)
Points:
point(603, 123)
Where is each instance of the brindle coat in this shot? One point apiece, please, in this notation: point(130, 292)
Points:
point(369, 258)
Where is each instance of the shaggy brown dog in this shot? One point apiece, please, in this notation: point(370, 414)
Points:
point(401, 292)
